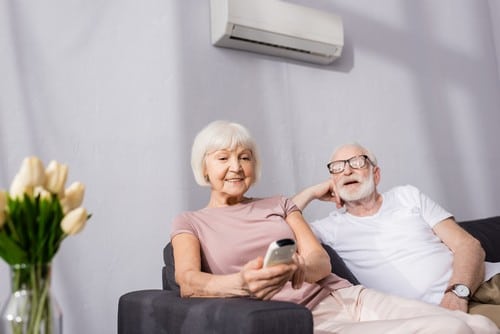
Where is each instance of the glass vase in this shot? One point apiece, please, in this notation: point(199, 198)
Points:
point(31, 308)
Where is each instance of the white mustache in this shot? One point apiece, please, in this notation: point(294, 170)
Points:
point(353, 178)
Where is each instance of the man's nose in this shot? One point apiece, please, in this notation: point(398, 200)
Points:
point(347, 169)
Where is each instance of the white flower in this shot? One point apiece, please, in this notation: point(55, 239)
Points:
point(32, 171)
point(30, 175)
point(74, 221)
point(18, 187)
point(42, 192)
point(3, 205)
point(73, 197)
point(56, 175)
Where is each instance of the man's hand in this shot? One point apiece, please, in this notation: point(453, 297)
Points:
point(452, 302)
point(324, 191)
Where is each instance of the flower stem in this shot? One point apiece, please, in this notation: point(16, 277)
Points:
point(31, 288)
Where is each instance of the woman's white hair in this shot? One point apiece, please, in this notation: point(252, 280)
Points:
point(220, 135)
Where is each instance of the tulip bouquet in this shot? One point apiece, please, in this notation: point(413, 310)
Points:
point(36, 215)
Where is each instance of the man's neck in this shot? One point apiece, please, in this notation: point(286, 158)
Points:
point(367, 206)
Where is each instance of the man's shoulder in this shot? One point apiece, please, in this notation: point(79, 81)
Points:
point(404, 193)
point(403, 189)
point(333, 217)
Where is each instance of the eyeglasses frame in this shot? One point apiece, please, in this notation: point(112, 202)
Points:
point(348, 161)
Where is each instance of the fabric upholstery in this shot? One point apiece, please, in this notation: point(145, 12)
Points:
point(487, 231)
point(165, 312)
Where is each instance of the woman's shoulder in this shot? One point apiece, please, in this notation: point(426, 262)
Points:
point(275, 199)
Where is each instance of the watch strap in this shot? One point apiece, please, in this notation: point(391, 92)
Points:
point(452, 288)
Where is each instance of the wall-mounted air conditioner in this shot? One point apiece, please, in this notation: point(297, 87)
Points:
point(277, 28)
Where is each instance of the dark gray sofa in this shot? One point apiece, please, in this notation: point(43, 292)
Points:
point(164, 311)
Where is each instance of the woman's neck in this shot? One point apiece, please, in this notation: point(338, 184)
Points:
point(218, 201)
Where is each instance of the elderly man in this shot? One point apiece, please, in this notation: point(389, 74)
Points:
point(400, 241)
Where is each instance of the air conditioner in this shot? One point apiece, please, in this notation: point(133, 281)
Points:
point(277, 28)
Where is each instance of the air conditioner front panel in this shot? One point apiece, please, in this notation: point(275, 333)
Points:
point(287, 19)
point(277, 28)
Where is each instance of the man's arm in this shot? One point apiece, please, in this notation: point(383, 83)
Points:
point(468, 261)
point(322, 191)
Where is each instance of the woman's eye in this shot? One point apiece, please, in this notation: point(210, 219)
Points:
point(246, 158)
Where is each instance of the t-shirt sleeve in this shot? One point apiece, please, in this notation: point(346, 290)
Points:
point(430, 211)
point(289, 206)
point(182, 224)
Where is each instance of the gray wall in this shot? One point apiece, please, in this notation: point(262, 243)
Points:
point(118, 89)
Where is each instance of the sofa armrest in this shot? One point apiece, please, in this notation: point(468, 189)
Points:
point(161, 311)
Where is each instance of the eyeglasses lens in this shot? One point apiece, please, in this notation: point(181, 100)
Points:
point(357, 162)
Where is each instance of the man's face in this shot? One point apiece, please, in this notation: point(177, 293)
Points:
point(354, 184)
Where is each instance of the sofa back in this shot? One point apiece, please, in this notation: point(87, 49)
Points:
point(168, 272)
point(486, 230)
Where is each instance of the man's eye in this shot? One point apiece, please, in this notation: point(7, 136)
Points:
point(247, 158)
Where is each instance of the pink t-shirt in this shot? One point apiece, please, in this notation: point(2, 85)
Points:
point(233, 235)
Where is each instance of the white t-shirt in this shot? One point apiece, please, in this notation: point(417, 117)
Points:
point(395, 250)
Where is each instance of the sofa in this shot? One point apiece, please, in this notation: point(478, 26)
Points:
point(164, 311)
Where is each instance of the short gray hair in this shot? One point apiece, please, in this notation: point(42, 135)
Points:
point(363, 149)
point(220, 135)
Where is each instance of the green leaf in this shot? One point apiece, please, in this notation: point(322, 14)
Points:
point(32, 232)
point(10, 251)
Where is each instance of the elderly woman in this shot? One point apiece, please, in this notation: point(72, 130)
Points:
point(218, 251)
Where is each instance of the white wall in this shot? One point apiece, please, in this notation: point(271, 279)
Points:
point(118, 89)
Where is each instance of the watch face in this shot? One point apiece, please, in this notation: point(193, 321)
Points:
point(461, 290)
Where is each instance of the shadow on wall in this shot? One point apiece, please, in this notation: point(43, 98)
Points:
point(437, 70)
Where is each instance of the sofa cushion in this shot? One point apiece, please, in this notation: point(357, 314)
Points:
point(339, 267)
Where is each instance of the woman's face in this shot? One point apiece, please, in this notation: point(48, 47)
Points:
point(230, 172)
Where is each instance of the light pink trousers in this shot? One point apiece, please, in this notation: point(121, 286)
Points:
point(360, 310)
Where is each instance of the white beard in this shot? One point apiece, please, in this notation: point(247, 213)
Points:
point(365, 189)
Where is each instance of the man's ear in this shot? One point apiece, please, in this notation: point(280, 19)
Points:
point(376, 175)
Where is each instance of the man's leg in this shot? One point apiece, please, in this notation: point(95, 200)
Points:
point(376, 305)
point(360, 310)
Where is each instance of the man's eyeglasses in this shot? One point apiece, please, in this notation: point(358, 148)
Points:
point(356, 162)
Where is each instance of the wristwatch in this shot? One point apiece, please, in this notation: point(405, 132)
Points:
point(461, 290)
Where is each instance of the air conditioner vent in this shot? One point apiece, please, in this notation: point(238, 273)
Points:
point(277, 28)
point(271, 45)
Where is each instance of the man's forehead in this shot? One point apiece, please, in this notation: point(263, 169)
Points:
point(348, 151)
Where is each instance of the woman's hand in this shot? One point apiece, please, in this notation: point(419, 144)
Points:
point(264, 283)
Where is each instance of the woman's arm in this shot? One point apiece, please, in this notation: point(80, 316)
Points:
point(252, 280)
point(316, 262)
